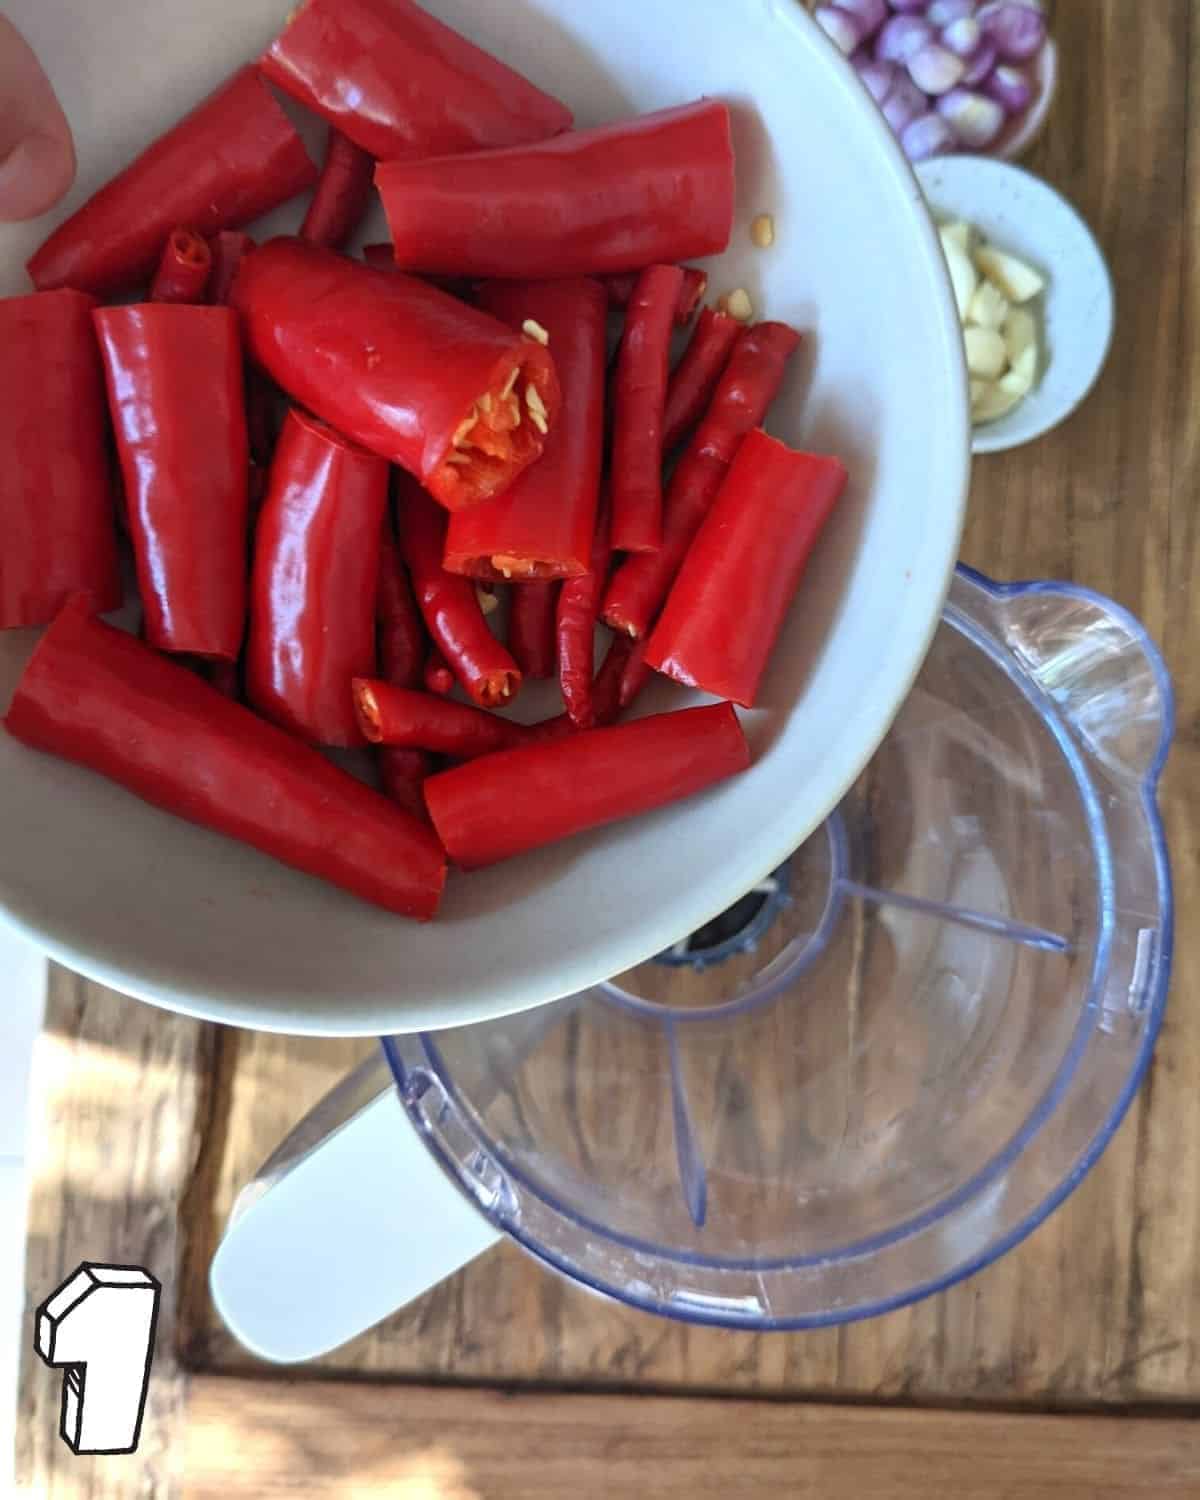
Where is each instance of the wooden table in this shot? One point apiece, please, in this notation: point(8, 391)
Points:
point(152, 1123)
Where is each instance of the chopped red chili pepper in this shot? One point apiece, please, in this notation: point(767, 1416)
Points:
point(105, 700)
point(691, 293)
point(316, 573)
point(640, 398)
point(439, 679)
point(403, 645)
point(542, 526)
point(695, 378)
point(411, 720)
point(484, 811)
point(729, 602)
point(449, 604)
point(638, 193)
point(400, 83)
point(531, 630)
point(176, 396)
point(234, 158)
point(343, 194)
point(441, 389)
point(57, 511)
point(402, 651)
point(749, 385)
point(229, 249)
point(578, 612)
point(184, 269)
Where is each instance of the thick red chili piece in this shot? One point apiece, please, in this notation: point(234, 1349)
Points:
point(508, 803)
point(729, 602)
point(750, 383)
point(316, 571)
point(104, 700)
point(449, 604)
point(695, 378)
point(411, 720)
point(176, 395)
point(449, 394)
point(638, 193)
point(542, 526)
point(57, 511)
point(343, 194)
point(184, 269)
point(235, 157)
point(639, 401)
point(400, 83)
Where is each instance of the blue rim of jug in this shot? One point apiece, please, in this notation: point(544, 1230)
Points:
point(694, 1314)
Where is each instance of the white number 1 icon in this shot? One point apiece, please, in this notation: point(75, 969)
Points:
point(100, 1324)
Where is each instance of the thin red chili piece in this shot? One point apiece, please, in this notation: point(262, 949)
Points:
point(639, 401)
point(412, 720)
point(578, 612)
point(531, 628)
point(400, 83)
point(402, 777)
point(57, 496)
point(484, 811)
point(229, 249)
point(733, 592)
point(635, 674)
point(695, 378)
point(234, 158)
point(403, 645)
point(316, 573)
point(691, 294)
point(648, 191)
point(343, 194)
point(438, 677)
point(105, 700)
point(413, 374)
point(749, 385)
point(184, 269)
point(542, 526)
point(176, 395)
point(402, 651)
point(449, 605)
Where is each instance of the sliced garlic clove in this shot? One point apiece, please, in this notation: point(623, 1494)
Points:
point(1020, 333)
point(994, 403)
point(1018, 281)
point(989, 306)
point(962, 274)
point(960, 232)
point(987, 358)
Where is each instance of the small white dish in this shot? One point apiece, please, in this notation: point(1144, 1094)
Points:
point(1016, 211)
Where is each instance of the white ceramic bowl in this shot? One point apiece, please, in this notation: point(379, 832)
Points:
point(186, 919)
point(1019, 212)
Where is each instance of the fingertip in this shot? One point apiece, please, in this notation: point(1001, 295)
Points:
point(35, 175)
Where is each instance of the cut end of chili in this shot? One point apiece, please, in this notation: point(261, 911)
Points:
point(366, 707)
point(504, 431)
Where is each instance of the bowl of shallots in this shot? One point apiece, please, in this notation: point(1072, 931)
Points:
point(951, 76)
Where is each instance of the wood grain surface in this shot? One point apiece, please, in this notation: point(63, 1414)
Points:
point(254, 1438)
point(1101, 1307)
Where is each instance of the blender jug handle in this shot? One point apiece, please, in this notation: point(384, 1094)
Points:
point(358, 1221)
